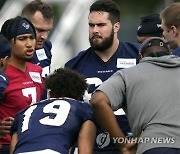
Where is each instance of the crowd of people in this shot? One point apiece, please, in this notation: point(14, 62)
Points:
point(114, 97)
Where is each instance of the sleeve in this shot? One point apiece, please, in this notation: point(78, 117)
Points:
point(4, 82)
point(15, 124)
point(114, 88)
point(86, 112)
point(42, 79)
point(47, 47)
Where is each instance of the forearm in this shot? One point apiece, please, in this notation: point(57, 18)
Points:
point(86, 138)
point(14, 141)
point(105, 116)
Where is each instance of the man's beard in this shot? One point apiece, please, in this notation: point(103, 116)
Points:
point(104, 45)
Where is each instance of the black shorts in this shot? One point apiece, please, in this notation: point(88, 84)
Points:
point(5, 149)
point(163, 150)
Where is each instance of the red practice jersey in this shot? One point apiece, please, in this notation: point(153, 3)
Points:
point(24, 88)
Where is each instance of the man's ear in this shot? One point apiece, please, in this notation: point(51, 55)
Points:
point(3, 63)
point(2, 68)
point(116, 27)
point(6, 60)
point(174, 30)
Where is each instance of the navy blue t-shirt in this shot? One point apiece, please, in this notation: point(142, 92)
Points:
point(176, 52)
point(97, 71)
point(42, 57)
point(50, 124)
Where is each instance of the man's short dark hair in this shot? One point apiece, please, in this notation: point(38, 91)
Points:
point(37, 5)
point(65, 82)
point(107, 6)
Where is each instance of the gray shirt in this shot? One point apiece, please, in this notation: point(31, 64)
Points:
point(150, 95)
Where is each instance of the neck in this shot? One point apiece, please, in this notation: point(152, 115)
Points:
point(18, 63)
point(107, 54)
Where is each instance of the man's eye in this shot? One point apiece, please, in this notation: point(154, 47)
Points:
point(21, 38)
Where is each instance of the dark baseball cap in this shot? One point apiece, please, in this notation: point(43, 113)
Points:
point(150, 25)
point(154, 41)
point(5, 49)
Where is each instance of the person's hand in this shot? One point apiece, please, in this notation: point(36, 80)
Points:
point(5, 126)
point(129, 147)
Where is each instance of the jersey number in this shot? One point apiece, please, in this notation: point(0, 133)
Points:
point(30, 92)
point(91, 81)
point(60, 108)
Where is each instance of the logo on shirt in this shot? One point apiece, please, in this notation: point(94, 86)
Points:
point(125, 63)
point(41, 54)
point(35, 77)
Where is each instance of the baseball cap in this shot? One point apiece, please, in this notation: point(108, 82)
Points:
point(150, 25)
point(154, 41)
point(5, 49)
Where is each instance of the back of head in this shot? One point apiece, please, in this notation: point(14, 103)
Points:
point(154, 47)
point(107, 6)
point(66, 83)
point(37, 5)
point(5, 49)
point(150, 26)
point(17, 26)
point(171, 15)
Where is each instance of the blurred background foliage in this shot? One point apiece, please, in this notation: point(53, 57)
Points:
point(141, 7)
point(131, 12)
point(130, 7)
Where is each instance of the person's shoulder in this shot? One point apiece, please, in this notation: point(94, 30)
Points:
point(131, 44)
point(75, 102)
point(83, 106)
point(11, 70)
point(3, 75)
point(47, 45)
point(34, 67)
point(82, 54)
point(130, 48)
point(3, 79)
point(176, 52)
point(79, 57)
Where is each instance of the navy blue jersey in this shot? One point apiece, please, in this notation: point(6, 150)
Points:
point(176, 52)
point(42, 57)
point(4, 82)
point(51, 124)
point(96, 71)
